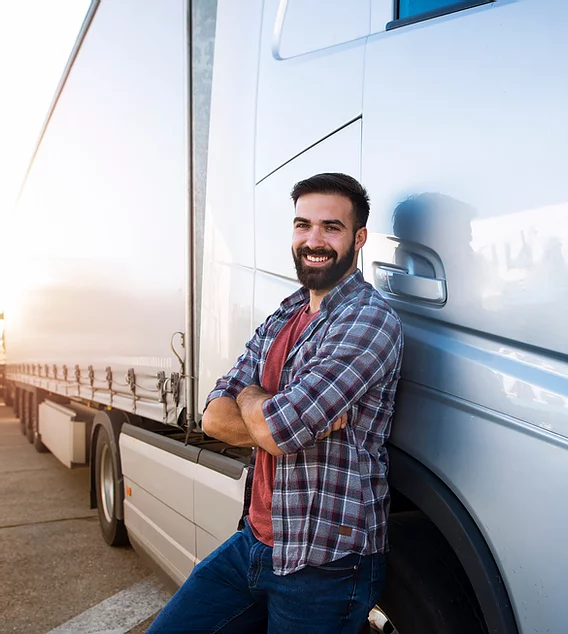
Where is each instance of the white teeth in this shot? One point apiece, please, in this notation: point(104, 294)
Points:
point(313, 258)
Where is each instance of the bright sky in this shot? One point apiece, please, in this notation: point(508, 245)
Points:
point(36, 38)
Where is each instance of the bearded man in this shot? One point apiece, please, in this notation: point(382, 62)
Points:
point(313, 393)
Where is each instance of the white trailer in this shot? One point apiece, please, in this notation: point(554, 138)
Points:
point(152, 236)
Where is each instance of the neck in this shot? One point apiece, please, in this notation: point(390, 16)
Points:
point(315, 300)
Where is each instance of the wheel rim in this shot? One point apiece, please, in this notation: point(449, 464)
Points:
point(107, 483)
point(380, 622)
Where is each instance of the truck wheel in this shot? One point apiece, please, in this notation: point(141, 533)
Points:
point(16, 402)
point(22, 400)
point(108, 492)
point(24, 411)
point(30, 402)
point(34, 416)
point(427, 590)
point(9, 394)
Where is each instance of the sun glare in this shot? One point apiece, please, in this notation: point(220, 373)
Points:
point(36, 38)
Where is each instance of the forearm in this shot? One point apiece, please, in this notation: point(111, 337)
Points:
point(241, 423)
point(250, 402)
point(222, 420)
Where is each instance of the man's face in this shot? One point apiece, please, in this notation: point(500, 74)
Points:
point(324, 243)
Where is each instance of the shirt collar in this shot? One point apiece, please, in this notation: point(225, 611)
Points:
point(339, 293)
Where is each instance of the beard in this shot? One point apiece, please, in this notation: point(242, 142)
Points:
point(325, 277)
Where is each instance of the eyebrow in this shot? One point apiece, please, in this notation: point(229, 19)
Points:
point(323, 222)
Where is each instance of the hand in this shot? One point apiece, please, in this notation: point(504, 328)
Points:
point(340, 423)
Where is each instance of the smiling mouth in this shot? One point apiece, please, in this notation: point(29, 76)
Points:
point(317, 258)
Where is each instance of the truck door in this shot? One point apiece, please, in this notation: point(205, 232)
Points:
point(464, 137)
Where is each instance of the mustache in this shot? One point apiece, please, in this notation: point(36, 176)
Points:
point(316, 252)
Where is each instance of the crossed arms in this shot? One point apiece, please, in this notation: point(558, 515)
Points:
point(241, 422)
point(361, 348)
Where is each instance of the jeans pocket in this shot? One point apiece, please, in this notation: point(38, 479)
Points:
point(378, 578)
point(347, 563)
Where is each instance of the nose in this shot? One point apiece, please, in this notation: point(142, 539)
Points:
point(315, 239)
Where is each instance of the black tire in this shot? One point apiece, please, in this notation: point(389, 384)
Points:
point(30, 404)
point(22, 408)
point(108, 491)
point(34, 416)
point(9, 394)
point(427, 590)
point(17, 402)
point(24, 411)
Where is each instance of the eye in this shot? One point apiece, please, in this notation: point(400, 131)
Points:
point(301, 225)
point(332, 228)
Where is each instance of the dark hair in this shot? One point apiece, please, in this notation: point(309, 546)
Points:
point(341, 184)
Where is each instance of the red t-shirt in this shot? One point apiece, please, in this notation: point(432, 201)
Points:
point(260, 510)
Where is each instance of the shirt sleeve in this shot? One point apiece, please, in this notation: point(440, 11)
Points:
point(361, 349)
point(243, 373)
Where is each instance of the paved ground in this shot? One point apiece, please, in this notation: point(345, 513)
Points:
point(54, 564)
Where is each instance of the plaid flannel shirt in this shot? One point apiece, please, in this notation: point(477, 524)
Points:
point(330, 496)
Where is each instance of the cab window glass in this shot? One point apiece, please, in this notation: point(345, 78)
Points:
point(409, 8)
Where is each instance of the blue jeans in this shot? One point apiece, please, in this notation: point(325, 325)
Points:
point(234, 590)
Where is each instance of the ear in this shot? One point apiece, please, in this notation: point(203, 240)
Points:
point(360, 238)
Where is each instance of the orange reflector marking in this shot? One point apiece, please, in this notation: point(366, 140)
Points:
point(128, 491)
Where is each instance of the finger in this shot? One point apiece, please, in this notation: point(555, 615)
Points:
point(334, 427)
point(338, 424)
point(341, 422)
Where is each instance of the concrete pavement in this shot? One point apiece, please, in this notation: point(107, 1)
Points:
point(54, 563)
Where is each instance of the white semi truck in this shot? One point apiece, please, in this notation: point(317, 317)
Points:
point(153, 231)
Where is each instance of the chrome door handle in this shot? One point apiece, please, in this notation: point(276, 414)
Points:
point(397, 281)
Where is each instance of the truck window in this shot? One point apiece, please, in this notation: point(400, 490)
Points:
point(410, 11)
